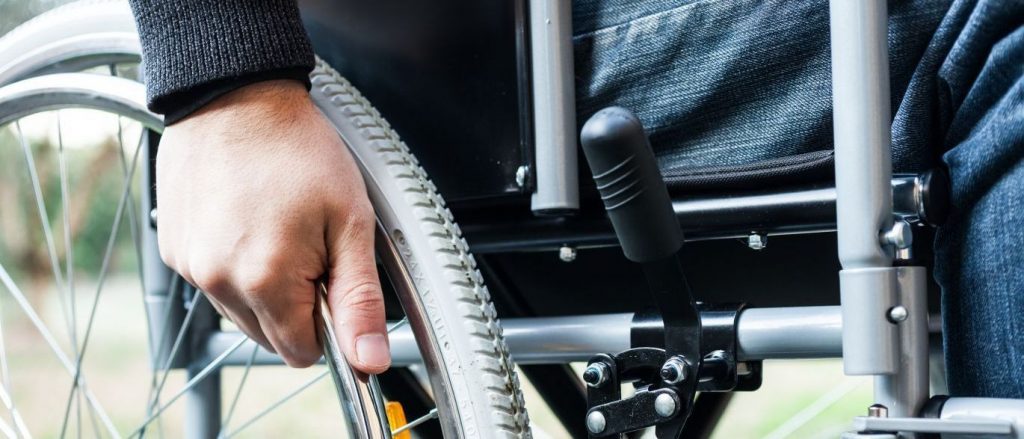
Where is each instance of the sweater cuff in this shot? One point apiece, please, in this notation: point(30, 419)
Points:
point(180, 105)
point(195, 51)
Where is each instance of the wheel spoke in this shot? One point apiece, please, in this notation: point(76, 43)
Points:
point(69, 258)
point(295, 392)
point(287, 397)
point(33, 317)
point(158, 345)
point(814, 409)
point(198, 378)
point(51, 248)
point(92, 420)
point(278, 403)
point(241, 385)
point(104, 269)
point(398, 324)
point(133, 223)
point(156, 385)
point(6, 396)
point(154, 396)
point(19, 423)
point(432, 414)
point(7, 430)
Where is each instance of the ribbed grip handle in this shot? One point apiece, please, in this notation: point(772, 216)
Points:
point(631, 187)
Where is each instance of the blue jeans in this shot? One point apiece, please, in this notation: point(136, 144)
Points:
point(738, 82)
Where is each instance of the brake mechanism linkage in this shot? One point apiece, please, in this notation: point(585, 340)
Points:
point(685, 347)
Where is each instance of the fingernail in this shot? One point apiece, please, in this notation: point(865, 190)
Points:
point(372, 350)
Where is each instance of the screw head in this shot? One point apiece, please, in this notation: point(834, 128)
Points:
point(665, 405)
point(878, 411)
point(595, 375)
point(596, 422)
point(757, 241)
point(567, 254)
point(522, 175)
point(898, 314)
point(674, 370)
point(152, 217)
point(900, 236)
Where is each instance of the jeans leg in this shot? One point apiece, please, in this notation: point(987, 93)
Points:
point(980, 251)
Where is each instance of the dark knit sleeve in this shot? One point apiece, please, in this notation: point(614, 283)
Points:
point(194, 51)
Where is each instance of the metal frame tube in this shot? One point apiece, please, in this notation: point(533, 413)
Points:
point(861, 118)
point(884, 307)
point(762, 334)
point(554, 107)
point(905, 392)
point(203, 402)
point(991, 408)
point(775, 212)
point(163, 315)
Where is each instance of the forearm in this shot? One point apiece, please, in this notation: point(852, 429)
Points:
point(197, 50)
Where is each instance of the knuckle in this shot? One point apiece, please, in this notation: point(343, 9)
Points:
point(255, 282)
point(364, 298)
point(361, 217)
point(299, 359)
point(260, 274)
point(212, 279)
point(164, 247)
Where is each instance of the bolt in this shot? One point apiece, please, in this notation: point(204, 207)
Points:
point(898, 314)
point(522, 175)
point(595, 375)
point(596, 422)
point(152, 217)
point(900, 235)
point(757, 241)
point(567, 254)
point(743, 369)
point(674, 370)
point(878, 411)
point(665, 405)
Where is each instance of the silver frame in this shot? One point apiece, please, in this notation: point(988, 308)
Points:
point(554, 107)
point(893, 351)
point(762, 334)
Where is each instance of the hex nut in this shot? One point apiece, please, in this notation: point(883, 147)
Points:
point(757, 241)
point(596, 374)
point(674, 370)
point(567, 254)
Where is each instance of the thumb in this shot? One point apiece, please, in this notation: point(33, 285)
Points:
point(355, 298)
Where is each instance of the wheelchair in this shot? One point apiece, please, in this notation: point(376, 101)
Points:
point(571, 231)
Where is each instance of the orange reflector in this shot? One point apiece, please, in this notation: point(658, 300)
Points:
point(396, 419)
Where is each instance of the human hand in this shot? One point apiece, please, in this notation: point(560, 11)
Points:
point(258, 197)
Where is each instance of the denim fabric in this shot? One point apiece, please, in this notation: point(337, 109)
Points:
point(729, 82)
point(977, 116)
point(738, 82)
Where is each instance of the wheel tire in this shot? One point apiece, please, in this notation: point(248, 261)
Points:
point(475, 371)
point(451, 289)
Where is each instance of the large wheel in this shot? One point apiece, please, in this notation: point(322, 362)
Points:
point(471, 375)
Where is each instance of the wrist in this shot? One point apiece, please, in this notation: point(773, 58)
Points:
point(266, 101)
